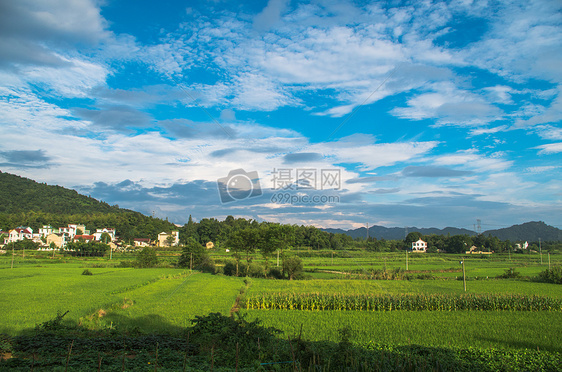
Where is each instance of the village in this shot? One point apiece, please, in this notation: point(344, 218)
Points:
point(50, 238)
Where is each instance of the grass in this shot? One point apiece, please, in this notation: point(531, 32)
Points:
point(464, 329)
point(147, 298)
point(404, 286)
point(169, 305)
point(166, 299)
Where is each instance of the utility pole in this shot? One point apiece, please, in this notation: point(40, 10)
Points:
point(110, 249)
point(367, 231)
point(406, 259)
point(540, 250)
point(463, 275)
point(13, 254)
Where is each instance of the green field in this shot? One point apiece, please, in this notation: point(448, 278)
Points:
point(150, 299)
point(164, 300)
point(484, 329)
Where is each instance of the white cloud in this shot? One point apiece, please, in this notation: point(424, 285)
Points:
point(552, 114)
point(549, 132)
point(449, 106)
point(524, 41)
point(374, 155)
point(499, 94)
point(270, 15)
point(473, 160)
point(75, 80)
point(550, 148)
point(32, 31)
point(542, 169)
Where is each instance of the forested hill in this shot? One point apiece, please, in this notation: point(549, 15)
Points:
point(529, 231)
point(29, 203)
point(398, 233)
point(19, 194)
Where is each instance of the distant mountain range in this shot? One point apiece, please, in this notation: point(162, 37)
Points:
point(529, 231)
point(24, 201)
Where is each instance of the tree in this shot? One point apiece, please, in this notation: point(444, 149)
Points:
point(147, 258)
point(189, 230)
point(170, 240)
point(277, 237)
point(193, 254)
point(245, 241)
point(26, 244)
point(414, 236)
point(459, 243)
point(292, 266)
point(105, 238)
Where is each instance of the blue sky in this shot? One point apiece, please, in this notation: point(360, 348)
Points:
point(431, 114)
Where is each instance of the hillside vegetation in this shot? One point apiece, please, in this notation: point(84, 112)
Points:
point(26, 202)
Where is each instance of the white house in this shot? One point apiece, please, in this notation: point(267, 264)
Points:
point(47, 230)
point(141, 242)
point(419, 246)
point(58, 239)
point(109, 231)
point(72, 230)
point(20, 233)
point(163, 239)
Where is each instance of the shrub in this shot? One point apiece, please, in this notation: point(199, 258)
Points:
point(229, 268)
point(147, 258)
point(510, 273)
point(275, 273)
point(54, 324)
point(219, 335)
point(87, 272)
point(256, 270)
point(553, 275)
point(206, 265)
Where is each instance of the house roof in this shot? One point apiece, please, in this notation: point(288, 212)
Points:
point(85, 237)
point(141, 239)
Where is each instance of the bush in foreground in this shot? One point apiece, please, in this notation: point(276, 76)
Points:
point(218, 342)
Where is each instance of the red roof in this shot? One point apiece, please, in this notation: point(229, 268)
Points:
point(85, 237)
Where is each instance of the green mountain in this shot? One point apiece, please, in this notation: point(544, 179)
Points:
point(24, 202)
point(529, 231)
point(19, 194)
point(398, 233)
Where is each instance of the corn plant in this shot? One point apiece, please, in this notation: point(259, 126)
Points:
point(411, 302)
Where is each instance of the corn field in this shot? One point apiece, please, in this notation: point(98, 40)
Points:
point(412, 302)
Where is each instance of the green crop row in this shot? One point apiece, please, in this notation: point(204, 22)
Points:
point(412, 302)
